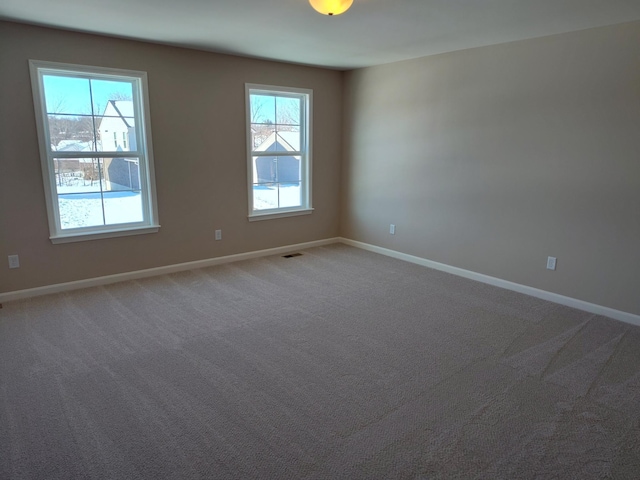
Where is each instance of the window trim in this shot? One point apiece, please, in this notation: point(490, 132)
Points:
point(144, 150)
point(306, 144)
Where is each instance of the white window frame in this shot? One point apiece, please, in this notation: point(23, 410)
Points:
point(306, 130)
point(144, 151)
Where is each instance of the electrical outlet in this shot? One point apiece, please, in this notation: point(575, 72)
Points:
point(551, 263)
point(392, 229)
point(14, 261)
point(218, 234)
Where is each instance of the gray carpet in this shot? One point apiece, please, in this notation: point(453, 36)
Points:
point(336, 364)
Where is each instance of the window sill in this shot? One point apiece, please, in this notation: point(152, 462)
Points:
point(82, 237)
point(269, 216)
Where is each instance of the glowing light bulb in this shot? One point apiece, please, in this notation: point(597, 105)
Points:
point(331, 7)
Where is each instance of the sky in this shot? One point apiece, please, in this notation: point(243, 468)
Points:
point(75, 96)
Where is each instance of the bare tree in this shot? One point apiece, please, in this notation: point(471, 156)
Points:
point(257, 109)
point(118, 96)
point(56, 104)
point(91, 171)
point(64, 125)
point(261, 125)
point(288, 113)
point(70, 127)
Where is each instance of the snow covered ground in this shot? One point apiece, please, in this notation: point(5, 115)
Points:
point(265, 197)
point(82, 206)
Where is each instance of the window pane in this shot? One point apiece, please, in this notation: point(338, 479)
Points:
point(121, 174)
point(71, 133)
point(287, 169)
point(263, 109)
point(265, 169)
point(67, 95)
point(122, 207)
point(288, 110)
point(105, 90)
point(265, 196)
point(80, 210)
point(276, 182)
point(116, 134)
point(287, 139)
point(85, 186)
point(263, 137)
point(77, 175)
point(289, 194)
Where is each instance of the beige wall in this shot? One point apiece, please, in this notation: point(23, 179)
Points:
point(198, 124)
point(488, 159)
point(494, 158)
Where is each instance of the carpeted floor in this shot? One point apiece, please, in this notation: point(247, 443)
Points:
point(339, 363)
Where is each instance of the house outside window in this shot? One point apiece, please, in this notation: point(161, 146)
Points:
point(278, 151)
point(94, 187)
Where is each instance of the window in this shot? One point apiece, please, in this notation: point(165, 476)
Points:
point(279, 151)
point(94, 187)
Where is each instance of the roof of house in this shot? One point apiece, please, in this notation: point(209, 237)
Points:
point(122, 109)
point(73, 146)
point(289, 141)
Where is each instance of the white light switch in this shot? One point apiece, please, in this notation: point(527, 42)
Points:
point(551, 263)
point(14, 261)
point(218, 234)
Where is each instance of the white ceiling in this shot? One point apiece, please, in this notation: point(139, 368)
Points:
point(370, 33)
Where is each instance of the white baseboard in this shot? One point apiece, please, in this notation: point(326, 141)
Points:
point(516, 287)
point(152, 272)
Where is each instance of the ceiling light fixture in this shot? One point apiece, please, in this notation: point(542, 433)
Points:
point(331, 7)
